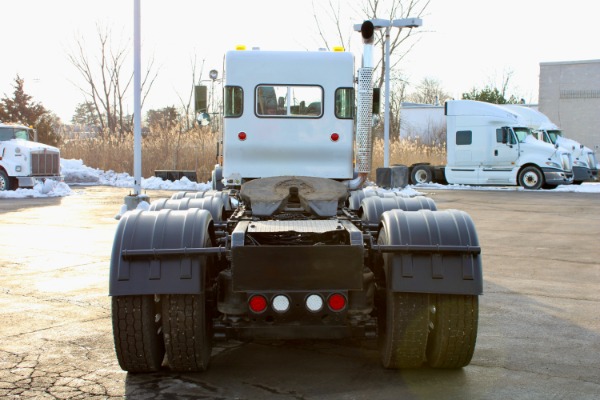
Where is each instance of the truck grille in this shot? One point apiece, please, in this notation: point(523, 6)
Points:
point(567, 164)
point(592, 160)
point(45, 163)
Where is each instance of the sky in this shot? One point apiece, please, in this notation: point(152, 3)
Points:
point(463, 44)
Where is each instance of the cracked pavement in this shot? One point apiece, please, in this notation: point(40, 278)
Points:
point(539, 327)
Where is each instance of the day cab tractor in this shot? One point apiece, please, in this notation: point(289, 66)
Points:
point(293, 246)
point(23, 161)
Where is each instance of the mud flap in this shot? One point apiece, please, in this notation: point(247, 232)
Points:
point(159, 273)
point(431, 252)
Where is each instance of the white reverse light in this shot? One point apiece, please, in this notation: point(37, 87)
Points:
point(314, 302)
point(281, 303)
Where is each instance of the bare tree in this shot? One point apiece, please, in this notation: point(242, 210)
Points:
point(330, 18)
point(334, 21)
point(399, 38)
point(188, 114)
point(106, 83)
point(429, 91)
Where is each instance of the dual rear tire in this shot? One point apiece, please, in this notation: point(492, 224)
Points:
point(438, 329)
point(414, 328)
point(146, 328)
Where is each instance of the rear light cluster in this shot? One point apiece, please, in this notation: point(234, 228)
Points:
point(281, 303)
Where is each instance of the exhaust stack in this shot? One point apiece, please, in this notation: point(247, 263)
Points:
point(364, 118)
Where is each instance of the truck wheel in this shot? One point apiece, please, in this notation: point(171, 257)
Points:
point(421, 174)
point(4, 181)
point(531, 178)
point(217, 176)
point(452, 340)
point(136, 331)
point(187, 332)
point(403, 329)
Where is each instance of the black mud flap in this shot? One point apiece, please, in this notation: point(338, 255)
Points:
point(297, 268)
point(151, 232)
point(431, 252)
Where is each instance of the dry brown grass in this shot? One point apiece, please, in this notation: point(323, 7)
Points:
point(192, 150)
point(407, 152)
point(196, 150)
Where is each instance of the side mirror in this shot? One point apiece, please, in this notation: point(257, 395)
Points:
point(203, 119)
point(376, 120)
point(376, 100)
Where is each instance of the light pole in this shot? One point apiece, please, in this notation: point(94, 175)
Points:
point(137, 94)
point(397, 23)
point(387, 24)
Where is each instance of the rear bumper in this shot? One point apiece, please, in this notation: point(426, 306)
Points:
point(297, 268)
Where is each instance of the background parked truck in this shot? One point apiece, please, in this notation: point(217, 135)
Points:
point(488, 145)
point(585, 163)
point(24, 162)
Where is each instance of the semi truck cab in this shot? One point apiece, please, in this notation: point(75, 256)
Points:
point(288, 113)
point(489, 145)
point(24, 162)
point(585, 164)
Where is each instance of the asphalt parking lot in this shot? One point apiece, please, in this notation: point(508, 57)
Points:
point(539, 328)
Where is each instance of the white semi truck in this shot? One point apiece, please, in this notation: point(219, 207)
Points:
point(585, 163)
point(24, 162)
point(489, 145)
point(293, 247)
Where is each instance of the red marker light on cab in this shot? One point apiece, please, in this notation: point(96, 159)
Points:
point(335, 137)
point(242, 136)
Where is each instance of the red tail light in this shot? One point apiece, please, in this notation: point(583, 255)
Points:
point(335, 137)
point(242, 136)
point(336, 302)
point(257, 303)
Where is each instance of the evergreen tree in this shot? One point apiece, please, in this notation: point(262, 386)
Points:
point(85, 115)
point(23, 110)
point(489, 95)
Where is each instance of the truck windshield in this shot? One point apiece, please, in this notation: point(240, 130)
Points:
point(289, 101)
point(14, 133)
point(554, 135)
point(522, 133)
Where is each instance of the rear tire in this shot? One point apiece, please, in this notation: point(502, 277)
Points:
point(403, 329)
point(136, 332)
point(452, 340)
point(421, 174)
point(187, 332)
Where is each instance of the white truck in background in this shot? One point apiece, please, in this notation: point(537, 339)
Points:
point(24, 162)
point(585, 164)
point(490, 145)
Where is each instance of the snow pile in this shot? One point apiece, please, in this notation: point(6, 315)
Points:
point(49, 188)
point(143, 205)
point(76, 173)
